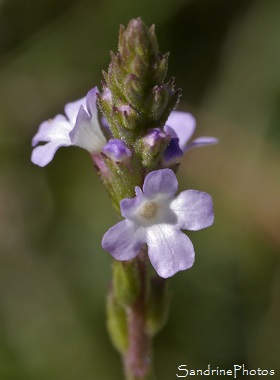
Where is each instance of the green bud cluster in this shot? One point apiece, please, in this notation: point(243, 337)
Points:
point(135, 97)
point(139, 99)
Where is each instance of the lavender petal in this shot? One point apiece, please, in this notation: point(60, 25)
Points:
point(53, 130)
point(180, 125)
point(124, 240)
point(162, 182)
point(129, 206)
point(43, 154)
point(71, 109)
point(87, 133)
point(201, 141)
point(91, 101)
point(194, 210)
point(173, 152)
point(169, 249)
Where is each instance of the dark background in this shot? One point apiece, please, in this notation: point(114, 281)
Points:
point(53, 273)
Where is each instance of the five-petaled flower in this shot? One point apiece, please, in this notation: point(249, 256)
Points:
point(155, 217)
point(80, 128)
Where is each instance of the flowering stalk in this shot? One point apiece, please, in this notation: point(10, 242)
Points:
point(136, 103)
point(137, 359)
point(136, 147)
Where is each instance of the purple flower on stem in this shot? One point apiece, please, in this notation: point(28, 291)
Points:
point(117, 151)
point(181, 125)
point(80, 127)
point(155, 217)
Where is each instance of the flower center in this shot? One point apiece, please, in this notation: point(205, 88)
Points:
point(148, 210)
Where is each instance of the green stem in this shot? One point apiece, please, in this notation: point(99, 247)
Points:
point(138, 357)
point(137, 308)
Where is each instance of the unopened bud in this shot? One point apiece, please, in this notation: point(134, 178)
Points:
point(117, 151)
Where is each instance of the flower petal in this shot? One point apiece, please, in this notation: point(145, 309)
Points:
point(71, 109)
point(54, 129)
point(124, 240)
point(43, 154)
point(160, 182)
point(194, 210)
point(201, 141)
point(87, 133)
point(129, 206)
point(91, 101)
point(169, 249)
point(181, 125)
point(173, 152)
point(104, 124)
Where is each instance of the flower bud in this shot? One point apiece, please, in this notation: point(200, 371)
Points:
point(135, 97)
point(117, 151)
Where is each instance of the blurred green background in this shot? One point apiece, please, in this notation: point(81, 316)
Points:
point(53, 273)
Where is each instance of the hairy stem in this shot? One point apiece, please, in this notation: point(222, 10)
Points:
point(137, 359)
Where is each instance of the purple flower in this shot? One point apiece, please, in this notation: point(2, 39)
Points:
point(80, 127)
point(117, 151)
point(181, 125)
point(155, 216)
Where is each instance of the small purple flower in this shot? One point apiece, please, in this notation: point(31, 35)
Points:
point(155, 216)
point(117, 151)
point(181, 125)
point(80, 128)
